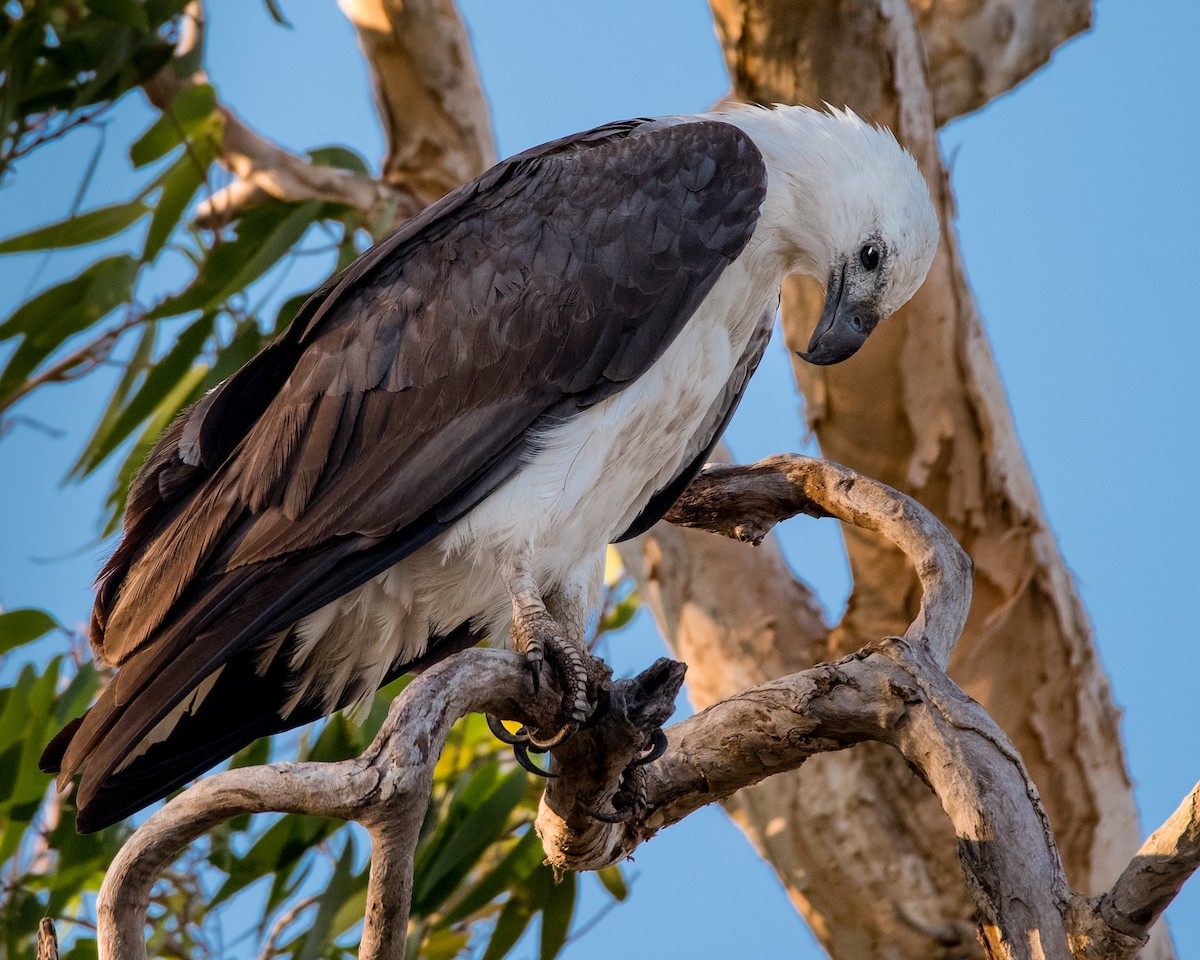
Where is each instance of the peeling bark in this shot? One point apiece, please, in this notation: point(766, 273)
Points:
point(979, 49)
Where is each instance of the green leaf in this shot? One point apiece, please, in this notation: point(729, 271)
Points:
point(338, 889)
point(342, 157)
point(160, 381)
point(520, 862)
point(127, 12)
point(79, 694)
point(258, 753)
point(19, 627)
point(28, 717)
point(160, 11)
point(75, 231)
point(557, 910)
point(134, 369)
point(246, 342)
point(58, 313)
point(264, 236)
point(184, 392)
point(515, 916)
point(614, 881)
point(185, 116)
point(82, 949)
point(276, 853)
point(479, 830)
point(179, 184)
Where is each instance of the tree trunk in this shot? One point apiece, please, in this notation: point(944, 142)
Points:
point(921, 409)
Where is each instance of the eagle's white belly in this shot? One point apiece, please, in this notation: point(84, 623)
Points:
point(588, 481)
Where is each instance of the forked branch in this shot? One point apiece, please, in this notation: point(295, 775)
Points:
point(894, 691)
point(263, 169)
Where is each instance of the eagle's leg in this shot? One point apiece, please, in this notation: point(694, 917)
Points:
point(553, 628)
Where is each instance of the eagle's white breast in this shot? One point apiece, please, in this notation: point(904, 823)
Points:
point(590, 477)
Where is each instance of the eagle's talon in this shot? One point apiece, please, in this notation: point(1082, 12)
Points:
point(521, 752)
point(617, 816)
point(503, 734)
point(534, 660)
point(658, 746)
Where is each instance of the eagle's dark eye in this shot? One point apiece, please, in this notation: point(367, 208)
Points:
point(869, 256)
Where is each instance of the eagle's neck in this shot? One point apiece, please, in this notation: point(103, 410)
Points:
point(803, 150)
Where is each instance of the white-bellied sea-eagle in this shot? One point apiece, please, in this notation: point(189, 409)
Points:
point(451, 430)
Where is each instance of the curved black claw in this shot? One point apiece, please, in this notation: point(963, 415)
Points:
point(617, 816)
point(658, 746)
point(630, 799)
point(521, 752)
point(503, 734)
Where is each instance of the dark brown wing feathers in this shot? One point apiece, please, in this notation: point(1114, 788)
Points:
point(402, 394)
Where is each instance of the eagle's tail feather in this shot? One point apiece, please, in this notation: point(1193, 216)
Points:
point(239, 706)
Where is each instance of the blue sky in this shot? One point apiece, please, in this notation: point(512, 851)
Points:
point(1078, 200)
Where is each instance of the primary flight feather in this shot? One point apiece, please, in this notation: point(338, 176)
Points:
point(442, 443)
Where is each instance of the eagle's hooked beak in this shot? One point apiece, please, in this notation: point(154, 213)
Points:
point(844, 325)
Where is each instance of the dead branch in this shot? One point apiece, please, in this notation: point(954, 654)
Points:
point(1148, 885)
point(47, 940)
point(387, 789)
point(894, 692)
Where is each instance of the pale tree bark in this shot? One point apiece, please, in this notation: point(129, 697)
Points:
point(427, 92)
point(922, 409)
point(600, 806)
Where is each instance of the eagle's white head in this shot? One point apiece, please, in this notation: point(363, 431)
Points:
point(849, 206)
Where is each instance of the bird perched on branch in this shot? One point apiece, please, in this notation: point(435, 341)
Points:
point(442, 443)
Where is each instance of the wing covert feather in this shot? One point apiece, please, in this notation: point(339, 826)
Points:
point(407, 389)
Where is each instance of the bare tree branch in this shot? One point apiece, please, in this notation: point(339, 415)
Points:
point(47, 940)
point(427, 91)
point(1153, 878)
point(977, 50)
point(391, 780)
point(265, 170)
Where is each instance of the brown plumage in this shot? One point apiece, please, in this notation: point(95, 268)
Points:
point(406, 390)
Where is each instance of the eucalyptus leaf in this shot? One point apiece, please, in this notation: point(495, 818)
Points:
point(179, 184)
point(341, 157)
point(264, 236)
point(481, 828)
point(557, 910)
point(75, 231)
point(515, 917)
point(614, 881)
point(19, 627)
point(521, 861)
point(185, 116)
point(338, 889)
point(47, 320)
